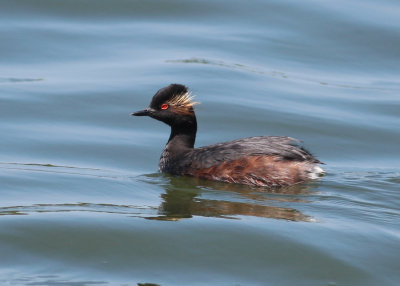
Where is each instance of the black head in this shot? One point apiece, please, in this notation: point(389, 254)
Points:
point(172, 105)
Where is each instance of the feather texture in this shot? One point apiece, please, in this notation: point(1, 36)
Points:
point(184, 100)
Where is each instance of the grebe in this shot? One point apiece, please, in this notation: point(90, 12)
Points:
point(271, 161)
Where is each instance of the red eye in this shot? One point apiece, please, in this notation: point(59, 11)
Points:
point(164, 106)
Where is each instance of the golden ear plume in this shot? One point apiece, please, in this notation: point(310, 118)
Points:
point(185, 100)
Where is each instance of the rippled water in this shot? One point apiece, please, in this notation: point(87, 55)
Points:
point(81, 202)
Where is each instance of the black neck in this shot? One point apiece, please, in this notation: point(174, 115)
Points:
point(183, 135)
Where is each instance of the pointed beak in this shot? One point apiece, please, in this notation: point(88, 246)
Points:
point(145, 112)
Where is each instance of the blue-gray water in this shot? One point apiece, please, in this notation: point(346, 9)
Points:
point(81, 201)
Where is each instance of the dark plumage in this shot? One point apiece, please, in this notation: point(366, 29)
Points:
point(262, 161)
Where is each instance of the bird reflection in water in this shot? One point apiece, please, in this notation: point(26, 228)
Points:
point(184, 197)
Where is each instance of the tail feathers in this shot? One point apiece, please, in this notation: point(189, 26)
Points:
point(316, 172)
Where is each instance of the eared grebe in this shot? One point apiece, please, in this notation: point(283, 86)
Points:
point(271, 161)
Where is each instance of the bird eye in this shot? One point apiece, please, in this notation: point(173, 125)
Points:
point(164, 106)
